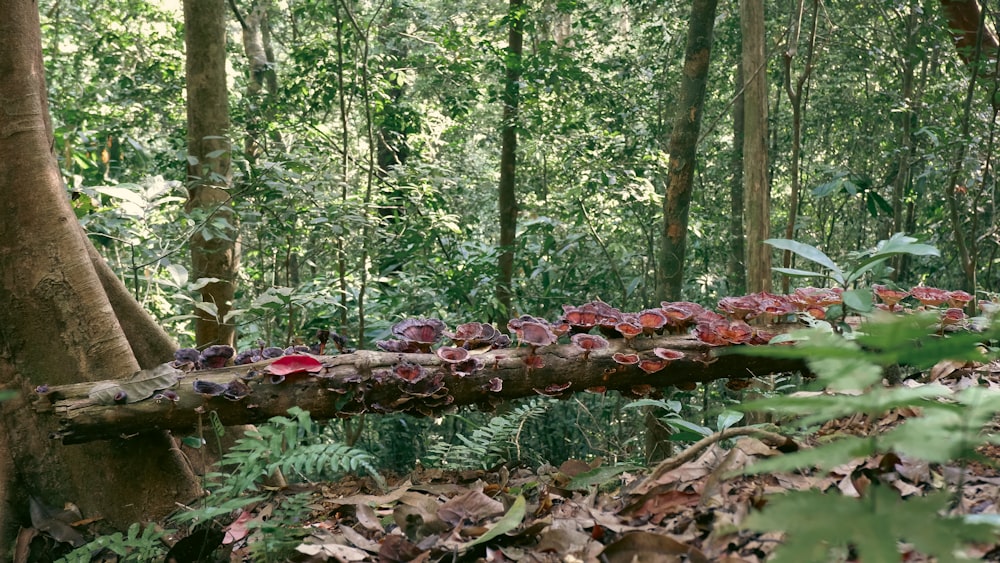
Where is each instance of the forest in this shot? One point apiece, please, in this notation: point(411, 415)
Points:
point(574, 280)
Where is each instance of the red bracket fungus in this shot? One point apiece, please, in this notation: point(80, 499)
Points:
point(667, 354)
point(680, 314)
point(298, 363)
point(652, 321)
point(216, 356)
point(929, 296)
point(588, 343)
point(628, 331)
point(625, 359)
point(422, 332)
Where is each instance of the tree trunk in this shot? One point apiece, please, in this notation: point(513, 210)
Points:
point(363, 381)
point(682, 149)
point(756, 188)
point(214, 247)
point(963, 19)
point(508, 160)
point(798, 108)
point(736, 269)
point(57, 325)
point(907, 117)
point(262, 83)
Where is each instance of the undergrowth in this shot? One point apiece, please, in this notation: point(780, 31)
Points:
point(491, 444)
point(294, 445)
point(950, 428)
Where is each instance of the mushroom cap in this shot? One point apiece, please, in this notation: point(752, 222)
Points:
point(952, 316)
point(806, 298)
point(589, 342)
point(398, 346)
point(467, 367)
point(958, 298)
point(651, 320)
point(625, 359)
point(931, 296)
point(652, 366)
point(680, 314)
point(216, 356)
point(452, 354)
point(297, 363)
point(421, 330)
point(409, 372)
point(536, 334)
point(739, 308)
point(628, 329)
point(187, 355)
point(272, 352)
point(472, 335)
point(888, 295)
point(667, 354)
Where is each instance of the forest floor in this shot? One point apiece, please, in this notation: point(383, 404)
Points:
point(691, 508)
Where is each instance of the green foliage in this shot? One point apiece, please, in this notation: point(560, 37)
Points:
point(950, 428)
point(818, 522)
point(294, 445)
point(493, 443)
point(136, 545)
point(860, 264)
point(277, 536)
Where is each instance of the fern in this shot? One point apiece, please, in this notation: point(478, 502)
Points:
point(295, 446)
point(487, 445)
point(136, 545)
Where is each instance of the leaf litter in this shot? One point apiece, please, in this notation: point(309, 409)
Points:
point(692, 511)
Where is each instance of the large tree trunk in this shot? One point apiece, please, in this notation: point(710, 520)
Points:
point(508, 159)
point(756, 188)
point(57, 324)
point(682, 149)
point(214, 247)
point(736, 271)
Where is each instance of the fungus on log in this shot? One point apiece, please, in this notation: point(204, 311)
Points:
point(371, 381)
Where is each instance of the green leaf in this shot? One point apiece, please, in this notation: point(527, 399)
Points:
point(873, 525)
point(681, 424)
point(193, 442)
point(810, 253)
point(860, 300)
point(796, 273)
point(727, 418)
point(511, 520)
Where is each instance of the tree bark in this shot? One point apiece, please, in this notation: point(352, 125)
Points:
point(795, 98)
point(756, 188)
point(214, 247)
point(262, 82)
point(963, 19)
point(682, 149)
point(57, 325)
point(359, 382)
point(907, 148)
point(736, 268)
point(508, 159)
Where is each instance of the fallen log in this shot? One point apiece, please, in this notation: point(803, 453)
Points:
point(383, 382)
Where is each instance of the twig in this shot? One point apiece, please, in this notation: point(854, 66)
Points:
point(771, 438)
